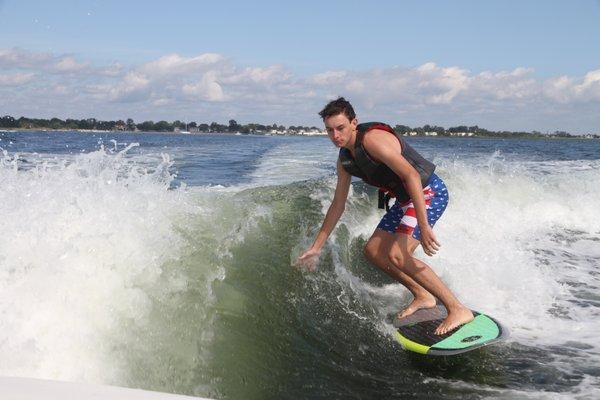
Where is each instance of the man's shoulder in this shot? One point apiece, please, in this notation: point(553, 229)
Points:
point(380, 137)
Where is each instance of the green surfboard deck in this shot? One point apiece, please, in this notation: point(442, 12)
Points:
point(415, 333)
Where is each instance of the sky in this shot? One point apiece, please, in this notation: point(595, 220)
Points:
point(502, 65)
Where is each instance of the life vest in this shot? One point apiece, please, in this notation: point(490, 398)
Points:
point(378, 174)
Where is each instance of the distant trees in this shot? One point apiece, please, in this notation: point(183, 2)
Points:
point(402, 129)
point(146, 126)
point(163, 126)
point(9, 122)
point(56, 123)
point(233, 126)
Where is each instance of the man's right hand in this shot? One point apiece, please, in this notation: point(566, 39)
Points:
point(308, 260)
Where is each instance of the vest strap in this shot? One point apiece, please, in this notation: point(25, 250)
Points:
point(383, 201)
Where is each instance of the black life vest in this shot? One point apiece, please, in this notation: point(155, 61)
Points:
point(378, 174)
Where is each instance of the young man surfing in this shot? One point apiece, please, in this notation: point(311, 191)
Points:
point(376, 154)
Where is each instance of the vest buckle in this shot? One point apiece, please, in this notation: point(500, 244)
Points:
point(383, 201)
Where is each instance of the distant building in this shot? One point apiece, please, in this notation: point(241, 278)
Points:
point(311, 132)
point(461, 133)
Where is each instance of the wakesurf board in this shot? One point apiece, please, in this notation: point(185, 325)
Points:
point(416, 333)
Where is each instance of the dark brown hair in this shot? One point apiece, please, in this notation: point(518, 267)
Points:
point(338, 106)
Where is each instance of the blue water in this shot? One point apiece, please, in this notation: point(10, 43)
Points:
point(166, 265)
point(225, 159)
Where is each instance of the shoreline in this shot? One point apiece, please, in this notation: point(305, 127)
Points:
point(30, 130)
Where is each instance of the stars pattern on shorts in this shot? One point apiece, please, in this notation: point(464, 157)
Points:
point(402, 217)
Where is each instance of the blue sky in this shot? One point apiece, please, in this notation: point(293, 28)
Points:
point(439, 54)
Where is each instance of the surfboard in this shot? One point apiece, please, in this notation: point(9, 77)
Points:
point(415, 333)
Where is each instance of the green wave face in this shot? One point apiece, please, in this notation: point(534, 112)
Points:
point(277, 330)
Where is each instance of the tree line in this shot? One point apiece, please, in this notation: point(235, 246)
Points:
point(145, 126)
point(475, 130)
point(233, 127)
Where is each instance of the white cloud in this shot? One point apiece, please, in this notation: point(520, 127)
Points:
point(263, 76)
point(516, 84)
point(355, 86)
point(174, 64)
point(111, 70)
point(329, 77)
point(69, 65)
point(61, 90)
point(16, 79)
point(176, 87)
point(162, 102)
point(426, 84)
point(47, 63)
point(445, 83)
point(19, 58)
point(559, 89)
point(566, 89)
point(133, 87)
point(589, 89)
point(206, 89)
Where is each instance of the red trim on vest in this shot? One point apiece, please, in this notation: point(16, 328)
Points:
point(383, 127)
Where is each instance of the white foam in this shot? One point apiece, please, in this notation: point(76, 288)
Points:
point(492, 232)
point(83, 240)
point(292, 162)
point(518, 242)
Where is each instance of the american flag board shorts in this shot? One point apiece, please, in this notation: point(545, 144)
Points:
point(402, 218)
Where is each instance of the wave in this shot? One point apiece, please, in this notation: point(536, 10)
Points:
point(88, 259)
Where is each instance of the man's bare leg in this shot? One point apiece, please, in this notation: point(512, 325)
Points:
point(401, 257)
point(377, 250)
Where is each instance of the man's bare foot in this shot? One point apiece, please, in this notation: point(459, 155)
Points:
point(419, 302)
point(455, 318)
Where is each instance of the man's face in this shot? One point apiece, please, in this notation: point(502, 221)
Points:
point(340, 129)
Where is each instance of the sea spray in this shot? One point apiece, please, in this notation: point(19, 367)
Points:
point(84, 263)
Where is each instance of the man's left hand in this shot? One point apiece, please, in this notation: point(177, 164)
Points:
point(428, 241)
